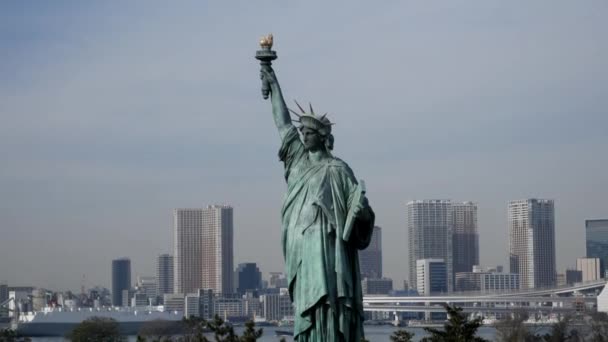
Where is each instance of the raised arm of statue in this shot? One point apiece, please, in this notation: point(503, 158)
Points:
point(279, 108)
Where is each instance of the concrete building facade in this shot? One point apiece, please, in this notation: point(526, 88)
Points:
point(203, 249)
point(431, 276)
point(465, 238)
point(532, 242)
point(589, 267)
point(275, 307)
point(372, 286)
point(430, 228)
point(164, 274)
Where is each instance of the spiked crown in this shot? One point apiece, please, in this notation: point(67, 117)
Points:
point(320, 123)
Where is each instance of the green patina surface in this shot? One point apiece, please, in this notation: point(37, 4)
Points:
point(326, 219)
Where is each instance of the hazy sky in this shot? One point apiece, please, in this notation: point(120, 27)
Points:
point(112, 113)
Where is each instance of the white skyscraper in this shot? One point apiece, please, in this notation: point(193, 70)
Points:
point(430, 227)
point(203, 244)
point(532, 242)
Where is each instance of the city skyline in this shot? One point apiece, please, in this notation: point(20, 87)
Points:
point(115, 113)
point(452, 215)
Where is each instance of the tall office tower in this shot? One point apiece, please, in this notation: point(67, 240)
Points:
point(370, 259)
point(164, 274)
point(597, 242)
point(430, 227)
point(465, 240)
point(589, 267)
point(247, 277)
point(203, 244)
point(431, 276)
point(121, 279)
point(532, 242)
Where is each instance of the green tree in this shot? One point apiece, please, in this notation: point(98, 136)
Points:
point(194, 329)
point(159, 330)
point(7, 335)
point(402, 336)
point(561, 332)
point(458, 328)
point(599, 327)
point(222, 331)
point(513, 328)
point(98, 329)
point(251, 334)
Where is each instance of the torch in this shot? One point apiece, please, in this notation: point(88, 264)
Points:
point(265, 55)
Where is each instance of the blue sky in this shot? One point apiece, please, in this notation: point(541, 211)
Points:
point(113, 113)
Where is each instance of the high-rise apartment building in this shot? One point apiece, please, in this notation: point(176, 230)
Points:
point(532, 242)
point(465, 238)
point(121, 280)
point(597, 242)
point(589, 267)
point(203, 244)
point(430, 227)
point(164, 275)
point(370, 259)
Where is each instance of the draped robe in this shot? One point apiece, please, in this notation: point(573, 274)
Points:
point(321, 235)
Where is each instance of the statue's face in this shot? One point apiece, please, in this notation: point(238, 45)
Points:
point(312, 139)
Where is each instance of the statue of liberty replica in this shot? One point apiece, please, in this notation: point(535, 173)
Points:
point(326, 219)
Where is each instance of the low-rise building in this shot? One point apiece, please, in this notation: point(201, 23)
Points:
point(275, 307)
point(374, 286)
point(174, 302)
